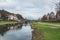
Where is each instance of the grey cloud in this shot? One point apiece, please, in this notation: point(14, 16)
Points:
point(32, 7)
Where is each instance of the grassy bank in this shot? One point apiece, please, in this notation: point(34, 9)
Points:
point(49, 32)
point(51, 22)
point(7, 22)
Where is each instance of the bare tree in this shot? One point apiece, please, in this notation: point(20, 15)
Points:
point(44, 18)
point(58, 6)
point(58, 11)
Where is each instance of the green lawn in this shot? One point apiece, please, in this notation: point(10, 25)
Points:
point(50, 32)
point(7, 22)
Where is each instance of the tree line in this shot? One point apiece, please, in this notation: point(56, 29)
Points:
point(52, 16)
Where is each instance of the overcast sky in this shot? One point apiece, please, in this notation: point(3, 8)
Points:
point(32, 9)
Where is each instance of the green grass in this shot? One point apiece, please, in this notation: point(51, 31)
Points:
point(50, 32)
point(7, 22)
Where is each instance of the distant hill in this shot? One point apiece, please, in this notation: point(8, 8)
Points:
point(5, 15)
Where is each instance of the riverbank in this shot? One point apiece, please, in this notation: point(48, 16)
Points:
point(7, 22)
point(45, 31)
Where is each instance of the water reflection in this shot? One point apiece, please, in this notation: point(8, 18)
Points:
point(15, 32)
point(7, 27)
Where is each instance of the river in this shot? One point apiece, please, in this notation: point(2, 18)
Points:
point(16, 32)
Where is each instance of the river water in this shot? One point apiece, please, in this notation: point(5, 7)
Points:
point(16, 32)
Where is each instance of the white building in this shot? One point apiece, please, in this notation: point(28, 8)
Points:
point(12, 17)
point(51, 17)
